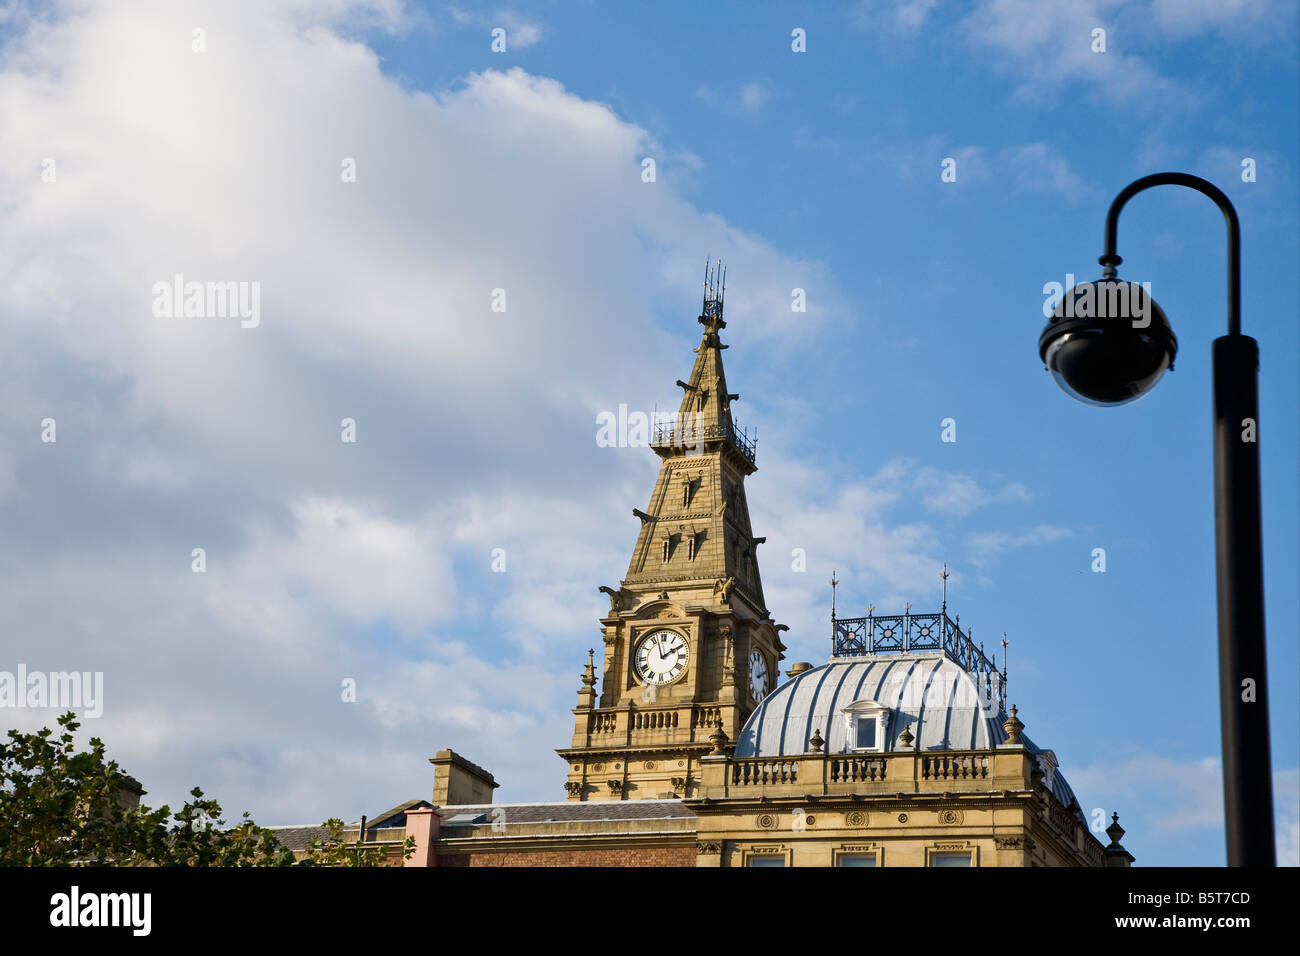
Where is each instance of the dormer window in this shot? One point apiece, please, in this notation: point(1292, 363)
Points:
point(866, 722)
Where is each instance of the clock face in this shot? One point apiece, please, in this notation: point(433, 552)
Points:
point(661, 657)
point(758, 675)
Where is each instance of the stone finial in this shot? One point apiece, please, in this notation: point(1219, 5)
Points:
point(719, 739)
point(906, 738)
point(1115, 832)
point(587, 692)
point(1013, 725)
point(816, 742)
point(1116, 855)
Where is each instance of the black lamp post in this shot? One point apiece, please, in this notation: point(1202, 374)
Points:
point(1108, 343)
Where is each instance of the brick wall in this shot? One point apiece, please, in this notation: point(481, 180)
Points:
point(628, 856)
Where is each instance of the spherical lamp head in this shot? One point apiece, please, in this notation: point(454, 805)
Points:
point(1107, 342)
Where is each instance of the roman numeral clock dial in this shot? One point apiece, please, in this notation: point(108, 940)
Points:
point(758, 675)
point(661, 657)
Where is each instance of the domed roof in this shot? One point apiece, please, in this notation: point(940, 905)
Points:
point(930, 692)
point(945, 706)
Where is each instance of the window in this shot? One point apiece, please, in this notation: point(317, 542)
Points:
point(950, 859)
point(865, 723)
point(766, 861)
point(856, 859)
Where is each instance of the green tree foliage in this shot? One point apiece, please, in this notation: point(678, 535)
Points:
point(63, 807)
point(334, 851)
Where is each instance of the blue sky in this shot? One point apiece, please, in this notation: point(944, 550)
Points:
point(521, 170)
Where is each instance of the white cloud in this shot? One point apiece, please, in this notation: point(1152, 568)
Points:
point(1048, 47)
point(1286, 801)
point(951, 493)
point(748, 97)
point(1034, 168)
point(1037, 167)
point(1251, 18)
point(752, 97)
point(901, 16)
point(855, 526)
point(327, 559)
point(521, 31)
point(354, 560)
point(985, 547)
point(1188, 795)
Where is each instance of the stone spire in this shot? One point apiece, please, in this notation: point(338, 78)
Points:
point(706, 404)
point(696, 531)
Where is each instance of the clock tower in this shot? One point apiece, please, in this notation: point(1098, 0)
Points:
point(689, 646)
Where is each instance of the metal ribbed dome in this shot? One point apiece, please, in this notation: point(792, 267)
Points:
point(945, 706)
point(931, 693)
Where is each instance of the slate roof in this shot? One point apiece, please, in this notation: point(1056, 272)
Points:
point(297, 837)
point(565, 811)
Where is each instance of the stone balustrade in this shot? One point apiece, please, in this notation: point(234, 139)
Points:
point(904, 771)
point(685, 723)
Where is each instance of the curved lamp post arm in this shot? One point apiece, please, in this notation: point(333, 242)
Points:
point(1110, 259)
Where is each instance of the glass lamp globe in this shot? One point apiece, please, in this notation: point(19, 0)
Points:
point(1107, 342)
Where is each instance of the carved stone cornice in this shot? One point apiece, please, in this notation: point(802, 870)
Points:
point(1021, 842)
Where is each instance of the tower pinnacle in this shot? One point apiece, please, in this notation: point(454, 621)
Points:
point(697, 525)
point(715, 292)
